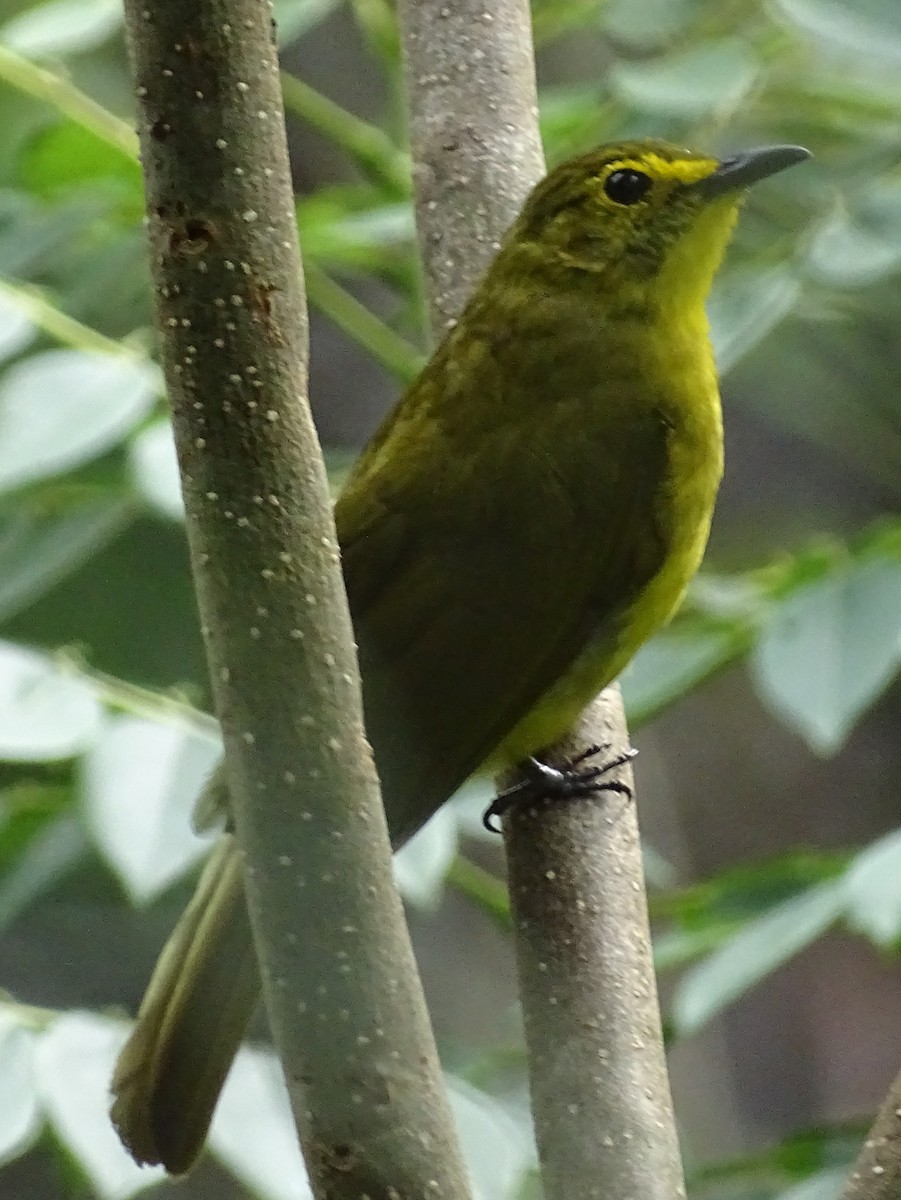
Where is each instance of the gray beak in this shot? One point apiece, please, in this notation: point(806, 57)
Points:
point(750, 166)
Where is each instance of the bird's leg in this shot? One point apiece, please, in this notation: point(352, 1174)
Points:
point(544, 782)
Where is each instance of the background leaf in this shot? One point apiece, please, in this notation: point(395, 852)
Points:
point(154, 468)
point(830, 649)
point(62, 27)
point(45, 713)
point(873, 890)
point(20, 1116)
point(74, 1064)
point(140, 781)
point(751, 954)
point(64, 407)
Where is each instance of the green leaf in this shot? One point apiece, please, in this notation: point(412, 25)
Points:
point(674, 662)
point(860, 244)
point(294, 18)
point(153, 464)
point(825, 1185)
point(20, 1115)
point(421, 867)
point(873, 890)
point(45, 713)
point(16, 330)
point(745, 306)
point(691, 83)
point(830, 650)
point(64, 407)
point(750, 890)
point(844, 254)
point(34, 237)
point(654, 22)
point(676, 948)
point(40, 544)
point(572, 117)
point(802, 1155)
point(497, 1150)
point(140, 780)
point(751, 954)
point(62, 27)
point(366, 239)
point(868, 28)
point(74, 1062)
point(41, 866)
point(252, 1132)
point(26, 810)
point(63, 158)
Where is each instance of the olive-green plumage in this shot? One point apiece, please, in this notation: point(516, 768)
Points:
point(529, 514)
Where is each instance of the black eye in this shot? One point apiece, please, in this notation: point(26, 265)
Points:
point(627, 187)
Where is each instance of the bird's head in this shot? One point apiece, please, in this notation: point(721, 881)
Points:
point(644, 215)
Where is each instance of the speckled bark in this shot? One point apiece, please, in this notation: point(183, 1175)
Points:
point(600, 1093)
point(877, 1172)
point(474, 133)
point(601, 1101)
point(340, 982)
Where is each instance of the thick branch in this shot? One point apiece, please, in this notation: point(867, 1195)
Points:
point(341, 986)
point(877, 1172)
point(476, 151)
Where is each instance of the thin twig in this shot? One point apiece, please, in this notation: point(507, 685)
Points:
point(340, 982)
point(33, 304)
point(600, 1094)
point(370, 147)
point(877, 1172)
point(394, 352)
point(26, 76)
point(474, 133)
point(476, 152)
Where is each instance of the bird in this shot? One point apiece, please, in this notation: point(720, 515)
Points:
point(527, 516)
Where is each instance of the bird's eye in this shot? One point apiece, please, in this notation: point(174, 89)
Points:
point(627, 186)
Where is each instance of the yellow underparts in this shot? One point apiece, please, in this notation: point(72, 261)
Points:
point(687, 384)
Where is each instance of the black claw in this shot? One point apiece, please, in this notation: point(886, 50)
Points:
point(542, 781)
point(590, 753)
point(488, 817)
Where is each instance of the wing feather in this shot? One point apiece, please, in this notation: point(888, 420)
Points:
point(477, 572)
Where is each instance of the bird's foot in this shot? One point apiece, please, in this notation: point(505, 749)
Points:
point(544, 782)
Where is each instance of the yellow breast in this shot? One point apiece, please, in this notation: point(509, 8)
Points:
point(685, 381)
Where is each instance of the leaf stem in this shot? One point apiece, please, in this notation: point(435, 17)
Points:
point(60, 326)
point(483, 888)
point(370, 147)
point(70, 101)
point(394, 352)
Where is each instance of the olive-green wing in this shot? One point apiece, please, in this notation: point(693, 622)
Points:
point(478, 569)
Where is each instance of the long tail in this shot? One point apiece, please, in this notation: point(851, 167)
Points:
point(191, 1022)
point(206, 983)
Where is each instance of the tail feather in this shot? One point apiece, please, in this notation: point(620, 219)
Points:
point(191, 1022)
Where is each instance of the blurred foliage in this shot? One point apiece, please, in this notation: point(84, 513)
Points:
point(103, 740)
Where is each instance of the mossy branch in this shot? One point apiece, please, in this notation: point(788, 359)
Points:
point(603, 1116)
point(340, 982)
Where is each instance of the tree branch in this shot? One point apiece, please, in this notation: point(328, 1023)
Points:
point(339, 978)
point(604, 1122)
point(600, 1093)
point(877, 1172)
point(474, 132)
